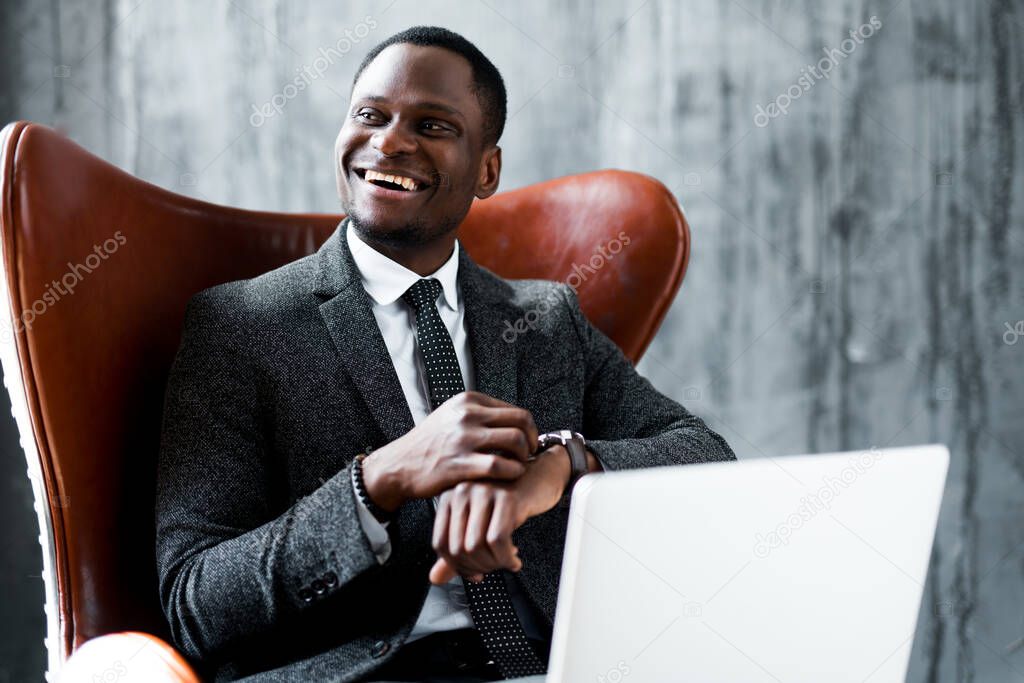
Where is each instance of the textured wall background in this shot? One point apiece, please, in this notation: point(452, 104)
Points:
point(856, 275)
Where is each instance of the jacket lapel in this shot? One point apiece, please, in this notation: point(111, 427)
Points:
point(487, 306)
point(349, 319)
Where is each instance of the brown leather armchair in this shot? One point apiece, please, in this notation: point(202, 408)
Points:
point(98, 266)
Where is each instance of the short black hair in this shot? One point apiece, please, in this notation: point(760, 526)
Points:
point(488, 85)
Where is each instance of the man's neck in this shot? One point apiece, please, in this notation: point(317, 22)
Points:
point(422, 259)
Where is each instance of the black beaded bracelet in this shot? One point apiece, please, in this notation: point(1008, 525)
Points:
point(378, 512)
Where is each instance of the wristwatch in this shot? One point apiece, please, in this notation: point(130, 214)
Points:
point(575, 444)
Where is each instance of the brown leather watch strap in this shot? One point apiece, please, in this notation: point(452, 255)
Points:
point(575, 445)
point(578, 458)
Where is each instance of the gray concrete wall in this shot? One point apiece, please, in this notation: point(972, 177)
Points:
point(856, 268)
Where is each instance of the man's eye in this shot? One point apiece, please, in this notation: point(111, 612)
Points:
point(435, 127)
point(367, 115)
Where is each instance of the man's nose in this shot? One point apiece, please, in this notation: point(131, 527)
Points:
point(393, 140)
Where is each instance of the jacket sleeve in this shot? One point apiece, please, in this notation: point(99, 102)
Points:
point(626, 421)
point(228, 566)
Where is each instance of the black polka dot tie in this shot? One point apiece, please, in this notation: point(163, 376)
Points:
point(444, 379)
point(490, 604)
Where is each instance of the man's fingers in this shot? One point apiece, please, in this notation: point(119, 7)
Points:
point(499, 535)
point(508, 415)
point(483, 399)
point(449, 543)
point(476, 549)
point(441, 518)
point(444, 569)
point(487, 466)
point(494, 412)
point(457, 525)
point(465, 566)
point(511, 441)
point(470, 520)
point(442, 572)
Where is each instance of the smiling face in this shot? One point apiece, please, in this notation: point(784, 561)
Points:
point(410, 157)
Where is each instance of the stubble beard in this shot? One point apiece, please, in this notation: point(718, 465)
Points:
point(414, 234)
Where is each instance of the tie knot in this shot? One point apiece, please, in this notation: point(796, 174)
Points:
point(424, 292)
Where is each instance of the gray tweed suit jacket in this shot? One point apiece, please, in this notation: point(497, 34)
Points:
point(279, 381)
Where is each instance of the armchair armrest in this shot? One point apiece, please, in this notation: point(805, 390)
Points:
point(128, 657)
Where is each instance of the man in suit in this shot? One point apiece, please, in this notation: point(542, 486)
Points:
point(353, 482)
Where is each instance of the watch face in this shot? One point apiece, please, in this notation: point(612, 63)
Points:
point(550, 439)
point(562, 436)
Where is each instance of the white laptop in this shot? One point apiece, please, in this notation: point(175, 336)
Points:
point(805, 568)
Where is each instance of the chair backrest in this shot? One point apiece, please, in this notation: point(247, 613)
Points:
point(98, 266)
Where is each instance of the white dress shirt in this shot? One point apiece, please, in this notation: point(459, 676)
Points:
point(385, 281)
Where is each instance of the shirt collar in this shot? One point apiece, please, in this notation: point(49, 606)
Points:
point(386, 280)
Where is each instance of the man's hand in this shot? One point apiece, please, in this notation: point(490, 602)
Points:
point(470, 436)
point(475, 520)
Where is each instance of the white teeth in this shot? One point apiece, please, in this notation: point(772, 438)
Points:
point(407, 183)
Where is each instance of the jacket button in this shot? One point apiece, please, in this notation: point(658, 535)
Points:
point(330, 579)
point(306, 595)
point(318, 587)
point(380, 648)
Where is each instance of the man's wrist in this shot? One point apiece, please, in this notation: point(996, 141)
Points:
point(557, 467)
point(383, 484)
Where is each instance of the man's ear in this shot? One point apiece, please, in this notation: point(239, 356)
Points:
point(490, 173)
